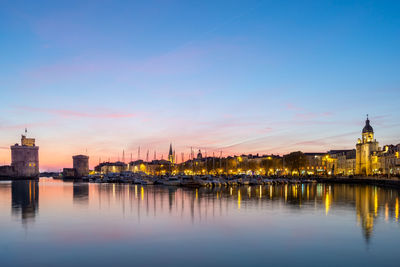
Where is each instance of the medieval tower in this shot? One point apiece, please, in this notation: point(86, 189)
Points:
point(25, 158)
point(366, 150)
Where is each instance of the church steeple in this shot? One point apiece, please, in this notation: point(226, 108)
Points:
point(170, 150)
point(367, 132)
point(367, 128)
point(171, 154)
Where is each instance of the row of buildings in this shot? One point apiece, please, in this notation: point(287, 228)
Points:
point(366, 159)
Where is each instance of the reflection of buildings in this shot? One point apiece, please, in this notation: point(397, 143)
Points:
point(368, 203)
point(25, 199)
point(81, 192)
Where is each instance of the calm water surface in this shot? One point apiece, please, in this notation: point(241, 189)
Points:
point(51, 222)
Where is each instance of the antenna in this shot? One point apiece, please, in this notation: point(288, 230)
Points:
point(147, 156)
point(123, 156)
point(155, 155)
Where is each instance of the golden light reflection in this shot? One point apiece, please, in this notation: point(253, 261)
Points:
point(396, 211)
point(376, 203)
point(327, 202)
point(197, 194)
point(286, 192)
point(142, 192)
point(136, 195)
point(260, 191)
point(270, 191)
point(386, 212)
point(230, 191)
point(30, 190)
point(239, 199)
point(113, 190)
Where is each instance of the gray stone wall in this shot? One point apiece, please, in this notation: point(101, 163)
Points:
point(81, 165)
point(25, 161)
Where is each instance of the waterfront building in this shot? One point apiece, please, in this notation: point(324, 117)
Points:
point(389, 160)
point(68, 173)
point(81, 165)
point(342, 162)
point(315, 163)
point(111, 167)
point(25, 158)
point(367, 149)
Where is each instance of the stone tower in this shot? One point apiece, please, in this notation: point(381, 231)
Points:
point(366, 149)
point(81, 165)
point(25, 158)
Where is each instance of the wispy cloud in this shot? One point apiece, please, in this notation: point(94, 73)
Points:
point(81, 114)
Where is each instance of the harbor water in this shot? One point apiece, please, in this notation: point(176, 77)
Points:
point(55, 223)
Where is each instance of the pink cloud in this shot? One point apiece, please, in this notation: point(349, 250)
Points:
point(73, 113)
point(291, 106)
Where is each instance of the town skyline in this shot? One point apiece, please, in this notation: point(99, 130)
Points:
point(179, 157)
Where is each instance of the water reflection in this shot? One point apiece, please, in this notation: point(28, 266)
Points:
point(81, 193)
point(25, 199)
point(368, 203)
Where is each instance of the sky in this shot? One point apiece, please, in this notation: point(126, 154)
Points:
point(103, 77)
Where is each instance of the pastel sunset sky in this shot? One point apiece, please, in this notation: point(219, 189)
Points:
point(232, 76)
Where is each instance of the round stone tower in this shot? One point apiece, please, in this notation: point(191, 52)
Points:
point(81, 165)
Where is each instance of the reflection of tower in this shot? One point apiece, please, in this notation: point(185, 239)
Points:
point(365, 209)
point(171, 197)
point(25, 199)
point(171, 155)
point(81, 192)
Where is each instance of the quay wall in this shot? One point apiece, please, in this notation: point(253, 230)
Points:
point(384, 182)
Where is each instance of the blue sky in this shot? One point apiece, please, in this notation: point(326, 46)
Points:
point(237, 76)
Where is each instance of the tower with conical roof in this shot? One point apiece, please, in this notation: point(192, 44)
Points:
point(366, 150)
